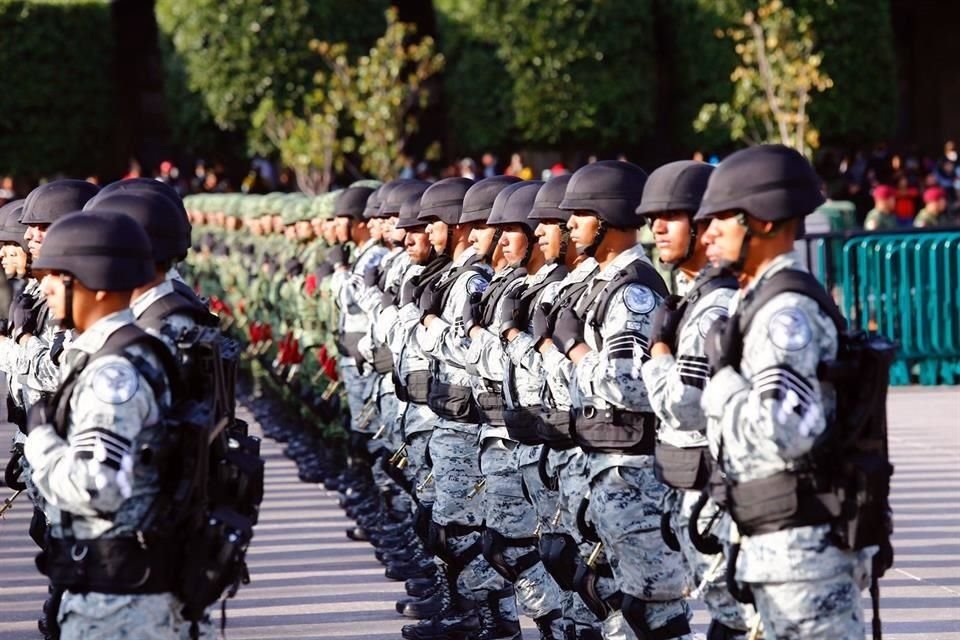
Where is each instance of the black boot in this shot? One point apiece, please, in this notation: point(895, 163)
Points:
point(552, 626)
point(458, 621)
point(498, 616)
point(429, 605)
point(719, 631)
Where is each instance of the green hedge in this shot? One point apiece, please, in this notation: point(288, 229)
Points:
point(57, 105)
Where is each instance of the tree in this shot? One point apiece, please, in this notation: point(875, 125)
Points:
point(779, 71)
point(361, 109)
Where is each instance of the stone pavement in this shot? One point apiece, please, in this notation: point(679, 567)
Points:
point(309, 581)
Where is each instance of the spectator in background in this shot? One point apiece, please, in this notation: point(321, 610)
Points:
point(468, 169)
point(882, 216)
point(906, 201)
point(133, 170)
point(489, 162)
point(7, 192)
point(935, 206)
point(518, 169)
point(838, 212)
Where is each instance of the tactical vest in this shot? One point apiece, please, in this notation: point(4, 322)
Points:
point(348, 343)
point(689, 467)
point(845, 480)
point(521, 421)
point(614, 430)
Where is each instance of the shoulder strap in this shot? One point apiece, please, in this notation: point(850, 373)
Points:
point(530, 293)
point(795, 281)
point(637, 272)
point(712, 281)
point(157, 313)
point(447, 286)
point(493, 293)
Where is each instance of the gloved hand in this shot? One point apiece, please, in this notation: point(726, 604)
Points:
point(23, 318)
point(723, 344)
point(430, 302)
point(387, 299)
point(543, 321)
point(666, 322)
point(471, 312)
point(337, 255)
point(408, 291)
point(568, 330)
point(4, 327)
point(56, 347)
point(38, 414)
point(323, 270)
point(513, 315)
point(370, 276)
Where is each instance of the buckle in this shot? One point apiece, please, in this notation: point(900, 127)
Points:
point(78, 552)
point(589, 412)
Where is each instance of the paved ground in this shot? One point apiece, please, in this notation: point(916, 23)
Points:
point(309, 581)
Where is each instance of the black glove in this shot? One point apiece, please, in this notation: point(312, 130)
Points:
point(56, 347)
point(471, 312)
point(387, 299)
point(4, 327)
point(513, 315)
point(38, 415)
point(325, 269)
point(430, 302)
point(408, 291)
point(724, 344)
point(292, 268)
point(666, 322)
point(23, 317)
point(337, 255)
point(568, 330)
point(370, 276)
point(543, 321)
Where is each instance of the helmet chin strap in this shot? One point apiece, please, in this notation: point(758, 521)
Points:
point(591, 249)
point(737, 265)
point(67, 323)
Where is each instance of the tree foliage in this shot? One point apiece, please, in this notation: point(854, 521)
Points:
point(775, 81)
point(55, 110)
point(355, 109)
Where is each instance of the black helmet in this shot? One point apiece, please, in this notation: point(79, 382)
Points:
point(443, 200)
point(409, 212)
point(48, 202)
point(399, 193)
point(611, 189)
point(514, 203)
point(479, 199)
point(372, 208)
point(769, 182)
point(351, 202)
point(11, 230)
point(547, 204)
point(676, 186)
point(104, 250)
point(147, 185)
point(155, 213)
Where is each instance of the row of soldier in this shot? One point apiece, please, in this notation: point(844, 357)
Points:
point(566, 439)
point(120, 384)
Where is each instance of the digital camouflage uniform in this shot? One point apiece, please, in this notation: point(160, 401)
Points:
point(761, 420)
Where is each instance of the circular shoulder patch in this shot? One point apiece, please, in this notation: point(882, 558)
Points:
point(639, 299)
point(710, 316)
point(476, 284)
point(789, 329)
point(115, 383)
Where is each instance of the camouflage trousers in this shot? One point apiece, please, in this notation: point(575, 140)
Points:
point(101, 616)
point(708, 573)
point(626, 508)
point(823, 608)
point(359, 388)
point(456, 471)
point(418, 421)
point(511, 515)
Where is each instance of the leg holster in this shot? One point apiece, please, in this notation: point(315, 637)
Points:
point(634, 612)
point(585, 584)
point(559, 554)
point(455, 562)
point(494, 546)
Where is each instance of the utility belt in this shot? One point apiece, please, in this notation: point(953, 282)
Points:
point(453, 402)
point(522, 425)
point(415, 389)
point(682, 468)
point(349, 345)
point(110, 565)
point(490, 407)
point(382, 359)
point(784, 500)
point(614, 431)
point(553, 428)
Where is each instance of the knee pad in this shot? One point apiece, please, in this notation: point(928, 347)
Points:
point(558, 552)
point(634, 612)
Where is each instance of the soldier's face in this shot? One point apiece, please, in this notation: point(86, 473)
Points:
point(671, 233)
point(304, 230)
point(14, 260)
point(397, 236)
point(34, 236)
point(417, 244)
point(437, 232)
point(583, 227)
point(356, 231)
point(343, 229)
point(233, 223)
point(54, 291)
point(387, 225)
point(330, 231)
point(514, 243)
point(723, 238)
point(376, 228)
point(277, 224)
point(317, 225)
point(549, 238)
point(481, 237)
point(290, 232)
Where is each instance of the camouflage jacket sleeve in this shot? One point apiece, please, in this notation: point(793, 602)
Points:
point(612, 373)
point(9, 356)
point(487, 354)
point(674, 383)
point(770, 413)
point(444, 340)
point(91, 472)
point(42, 374)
